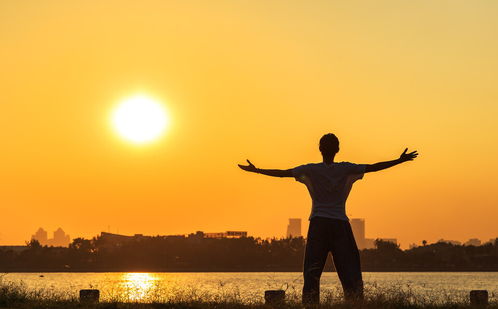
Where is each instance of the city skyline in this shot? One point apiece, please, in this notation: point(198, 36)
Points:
point(358, 225)
point(59, 239)
point(194, 252)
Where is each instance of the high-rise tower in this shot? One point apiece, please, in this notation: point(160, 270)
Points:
point(358, 227)
point(294, 228)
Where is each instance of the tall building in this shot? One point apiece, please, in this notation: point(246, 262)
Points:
point(60, 238)
point(368, 244)
point(294, 228)
point(41, 235)
point(358, 227)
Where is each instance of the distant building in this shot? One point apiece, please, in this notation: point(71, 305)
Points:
point(179, 236)
point(236, 234)
point(358, 227)
point(60, 238)
point(359, 232)
point(41, 236)
point(119, 237)
point(391, 240)
point(198, 234)
point(368, 244)
point(116, 240)
point(227, 234)
point(473, 242)
point(294, 228)
point(214, 235)
point(493, 241)
point(453, 242)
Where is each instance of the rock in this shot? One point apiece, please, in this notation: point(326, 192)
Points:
point(89, 296)
point(273, 297)
point(479, 297)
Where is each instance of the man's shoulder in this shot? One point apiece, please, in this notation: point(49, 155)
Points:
point(312, 165)
point(346, 163)
point(353, 168)
point(305, 167)
point(347, 166)
point(321, 165)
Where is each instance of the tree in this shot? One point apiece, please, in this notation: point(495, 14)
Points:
point(383, 245)
point(33, 244)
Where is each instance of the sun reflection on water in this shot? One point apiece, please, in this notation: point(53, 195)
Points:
point(137, 286)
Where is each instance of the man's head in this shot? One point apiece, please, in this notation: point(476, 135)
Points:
point(329, 145)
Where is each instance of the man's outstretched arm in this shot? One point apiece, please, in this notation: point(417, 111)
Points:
point(274, 173)
point(383, 165)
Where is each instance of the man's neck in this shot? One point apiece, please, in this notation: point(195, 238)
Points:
point(328, 160)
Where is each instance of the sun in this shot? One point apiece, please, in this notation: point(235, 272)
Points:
point(140, 119)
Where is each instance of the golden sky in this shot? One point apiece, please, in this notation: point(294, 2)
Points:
point(247, 79)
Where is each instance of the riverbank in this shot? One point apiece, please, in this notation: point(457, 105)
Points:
point(241, 270)
point(246, 254)
point(215, 305)
point(17, 296)
point(230, 306)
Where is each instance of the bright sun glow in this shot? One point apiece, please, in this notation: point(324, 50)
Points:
point(137, 286)
point(140, 119)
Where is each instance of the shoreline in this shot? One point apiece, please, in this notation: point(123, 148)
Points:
point(208, 305)
point(233, 271)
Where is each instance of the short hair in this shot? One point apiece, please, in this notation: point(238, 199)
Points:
point(329, 144)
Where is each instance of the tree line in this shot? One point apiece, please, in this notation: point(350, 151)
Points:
point(194, 253)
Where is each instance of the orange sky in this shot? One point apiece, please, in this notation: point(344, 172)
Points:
point(247, 79)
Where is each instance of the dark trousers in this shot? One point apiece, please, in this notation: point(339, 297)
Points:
point(331, 235)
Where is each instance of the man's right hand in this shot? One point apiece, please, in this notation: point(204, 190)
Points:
point(383, 165)
point(408, 156)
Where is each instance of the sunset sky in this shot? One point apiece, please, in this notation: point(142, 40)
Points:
point(262, 80)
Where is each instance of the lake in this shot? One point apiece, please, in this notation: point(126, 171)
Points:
point(250, 287)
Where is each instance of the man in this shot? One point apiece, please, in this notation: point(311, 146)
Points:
point(329, 184)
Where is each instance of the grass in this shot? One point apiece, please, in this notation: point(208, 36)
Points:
point(17, 295)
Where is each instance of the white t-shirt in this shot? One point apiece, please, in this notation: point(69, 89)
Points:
point(329, 186)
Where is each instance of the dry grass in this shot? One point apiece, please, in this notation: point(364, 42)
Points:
point(17, 295)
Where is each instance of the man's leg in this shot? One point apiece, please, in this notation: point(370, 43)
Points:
point(314, 260)
point(347, 260)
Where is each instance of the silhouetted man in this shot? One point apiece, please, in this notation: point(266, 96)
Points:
point(329, 184)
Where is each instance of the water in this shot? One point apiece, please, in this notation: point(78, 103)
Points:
point(250, 287)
